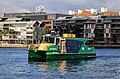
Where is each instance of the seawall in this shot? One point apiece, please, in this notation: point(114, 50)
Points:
point(106, 46)
point(13, 45)
point(26, 45)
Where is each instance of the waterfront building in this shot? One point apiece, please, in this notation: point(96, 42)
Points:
point(86, 13)
point(104, 9)
point(33, 16)
point(16, 31)
point(103, 29)
point(46, 19)
point(94, 12)
point(39, 20)
point(110, 13)
point(71, 12)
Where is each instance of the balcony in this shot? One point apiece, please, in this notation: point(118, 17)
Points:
point(29, 34)
point(79, 23)
point(113, 32)
point(29, 30)
point(115, 23)
point(107, 21)
point(115, 28)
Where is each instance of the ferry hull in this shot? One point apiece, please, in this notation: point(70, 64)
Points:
point(42, 55)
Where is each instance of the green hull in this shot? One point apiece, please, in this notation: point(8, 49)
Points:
point(70, 56)
point(43, 55)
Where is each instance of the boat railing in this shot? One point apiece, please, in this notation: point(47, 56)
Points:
point(32, 46)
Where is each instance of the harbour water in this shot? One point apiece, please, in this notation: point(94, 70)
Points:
point(14, 64)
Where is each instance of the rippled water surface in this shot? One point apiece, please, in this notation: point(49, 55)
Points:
point(14, 64)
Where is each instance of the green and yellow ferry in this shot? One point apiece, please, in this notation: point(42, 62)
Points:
point(66, 47)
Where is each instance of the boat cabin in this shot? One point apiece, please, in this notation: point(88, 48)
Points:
point(65, 44)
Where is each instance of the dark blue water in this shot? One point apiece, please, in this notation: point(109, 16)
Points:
point(14, 64)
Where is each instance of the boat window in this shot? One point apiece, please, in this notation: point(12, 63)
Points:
point(46, 39)
point(73, 46)
point(89, 43)
point(57, 41)
point(51, 40)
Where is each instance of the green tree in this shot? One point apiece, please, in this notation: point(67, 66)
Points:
point(1, 34)
point(9, 32)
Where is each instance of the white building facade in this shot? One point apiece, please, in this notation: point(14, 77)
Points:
point(16, 31)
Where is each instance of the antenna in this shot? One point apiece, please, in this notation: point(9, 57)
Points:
point(3, 11)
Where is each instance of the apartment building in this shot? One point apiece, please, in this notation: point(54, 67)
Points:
point(103, 29)
point(94, 12)
point(17, 31)
point(110, 13)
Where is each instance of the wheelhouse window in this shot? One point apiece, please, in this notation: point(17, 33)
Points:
point(73, 46)
point(57, 41)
